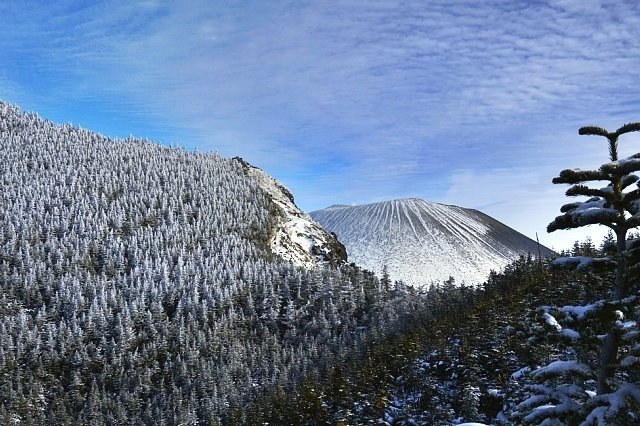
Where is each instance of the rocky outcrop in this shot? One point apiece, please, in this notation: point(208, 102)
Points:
point(296, 236)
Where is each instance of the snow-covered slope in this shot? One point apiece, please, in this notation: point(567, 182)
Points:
point(296, 237)
point(423, 242)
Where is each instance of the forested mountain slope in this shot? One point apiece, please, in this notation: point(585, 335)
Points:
point(422, 242)
point(470, 355)
point(141, 284)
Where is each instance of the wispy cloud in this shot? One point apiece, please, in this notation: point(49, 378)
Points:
point(345, 101)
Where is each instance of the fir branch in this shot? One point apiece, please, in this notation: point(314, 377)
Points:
point(573, 176)
point(571, 220)
point(628, 180)
point(632, 196)
point(577, 190)
point(621, 167)
point(627, 128)
point(593, 130)
point(569, 207)
point(633, 222)
point(579, 263)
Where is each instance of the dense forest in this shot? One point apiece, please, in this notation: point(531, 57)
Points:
point(467, 358)
point(139, 285)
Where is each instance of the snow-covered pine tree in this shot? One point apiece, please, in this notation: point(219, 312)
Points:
point(595, 376)
point(138, 284)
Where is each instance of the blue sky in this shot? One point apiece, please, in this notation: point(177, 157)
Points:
point(474, 103)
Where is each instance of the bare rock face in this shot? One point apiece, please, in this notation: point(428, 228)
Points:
point(296, 237)
point(422, 242)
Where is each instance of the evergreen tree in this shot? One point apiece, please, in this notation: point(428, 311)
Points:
point(139, 284)
point(600, 344)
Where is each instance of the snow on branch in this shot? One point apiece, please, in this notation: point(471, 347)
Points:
point(557, 368)
point(551, 402)
point(551, 410)
point(606, 192)
point(581, 311)
point(629, 127)
point(593, 211)
point(622, 167)
point(568, 333)
point(591, 206)
point(630, 198)
point(629, 360)
point(551, 321)
point(629, 180)
point(580, 263)
point(611, 404)
point(634, 221)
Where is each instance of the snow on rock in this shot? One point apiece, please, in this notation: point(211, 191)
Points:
point(422, 242)
point(297, 237)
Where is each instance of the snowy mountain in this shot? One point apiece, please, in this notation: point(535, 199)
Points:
point(422, 242)
point(131, 272)
point(295, 237)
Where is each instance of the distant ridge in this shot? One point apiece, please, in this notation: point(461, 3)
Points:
point(423, 242)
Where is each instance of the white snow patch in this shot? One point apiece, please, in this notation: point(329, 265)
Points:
point(296, 233)
point(629, 360)
point(571, 334)
point(518, 374)
point(581, 311)
point(582, 262)
point(627, 324)
point(561, 367)
point(551, 321)
point(495, 392)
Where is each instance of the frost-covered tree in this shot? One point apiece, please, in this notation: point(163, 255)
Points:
point(613, 206)
point(138, 284)
point(594, 376)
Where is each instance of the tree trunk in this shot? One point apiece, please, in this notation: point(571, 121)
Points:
point(609, 354)
point(608, 361)
point(621, 264)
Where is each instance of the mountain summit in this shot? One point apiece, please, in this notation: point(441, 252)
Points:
point(422, 242)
